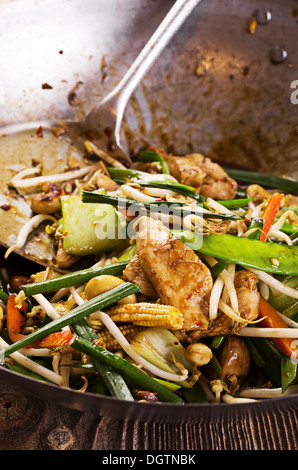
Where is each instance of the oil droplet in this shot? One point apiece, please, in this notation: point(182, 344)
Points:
point(263, 16)
point(278, 55)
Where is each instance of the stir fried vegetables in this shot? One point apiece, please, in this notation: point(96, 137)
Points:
point(191, 292)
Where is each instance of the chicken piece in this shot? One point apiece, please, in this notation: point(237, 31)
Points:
point(178, 275)
point(258, 193)
point(247, 294)
point(235, 362)
point(217, 184)
point(207, 177)
point(248, 307)
point(134, 273)
point(187, 170)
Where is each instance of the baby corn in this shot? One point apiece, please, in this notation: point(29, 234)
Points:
point(147, 314)
point(110, 343)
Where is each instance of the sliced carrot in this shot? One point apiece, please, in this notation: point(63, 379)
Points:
point(15, 321)
point(271, 319)
point(53, 340)
point(15, 318)
point(269, 215)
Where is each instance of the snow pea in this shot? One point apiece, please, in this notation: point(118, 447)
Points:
point(273, 258)
point(282, 301)
point(288, 372)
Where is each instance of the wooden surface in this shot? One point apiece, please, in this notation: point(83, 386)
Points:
point(30, 424)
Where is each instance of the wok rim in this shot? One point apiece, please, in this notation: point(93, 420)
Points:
point(137, 411)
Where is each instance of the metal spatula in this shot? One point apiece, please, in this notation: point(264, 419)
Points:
point(20, 147)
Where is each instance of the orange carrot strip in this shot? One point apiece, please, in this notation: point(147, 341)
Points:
point(15, 318)
point(269, 215)
point(15, 321)
point(271, 319)
point(53, 340)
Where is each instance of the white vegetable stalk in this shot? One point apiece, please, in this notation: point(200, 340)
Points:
point(225, 308)
point(26, 172)
point(224, 279)
point(158, 192)
point(226, 398)
point(215, 297)
point(269, 332)
point(278, 225)
point(267, 392)
point(56, 178)
point(92, 148)
point(114, 330)
point(135, 194)
point(26, 230)
point(37, 368)
point(217, 206)
point(274, 283)
point(280, 236)
point(48, 308)
point(38, 352)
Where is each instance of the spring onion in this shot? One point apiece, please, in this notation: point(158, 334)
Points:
point(176, 208)
point(112, 378)
point(127, 370)
point(73, 278)
point(97, 303)
point(263, 179)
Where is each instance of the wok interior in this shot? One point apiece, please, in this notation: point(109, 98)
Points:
point(215, 89)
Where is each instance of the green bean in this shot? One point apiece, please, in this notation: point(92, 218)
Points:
point(243, 251)
point(97, 303)
point(112, 378)
point(74, 278)
point(127, 369)
point(288, 372)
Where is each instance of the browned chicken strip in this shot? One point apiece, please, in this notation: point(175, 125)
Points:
point(178, 275)
point(134, 273)
point(206, 176)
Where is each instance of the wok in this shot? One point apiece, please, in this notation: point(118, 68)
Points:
point(217, 89)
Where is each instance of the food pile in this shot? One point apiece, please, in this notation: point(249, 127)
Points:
point(190, 295)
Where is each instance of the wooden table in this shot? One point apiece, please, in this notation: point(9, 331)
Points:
point(27, 423)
